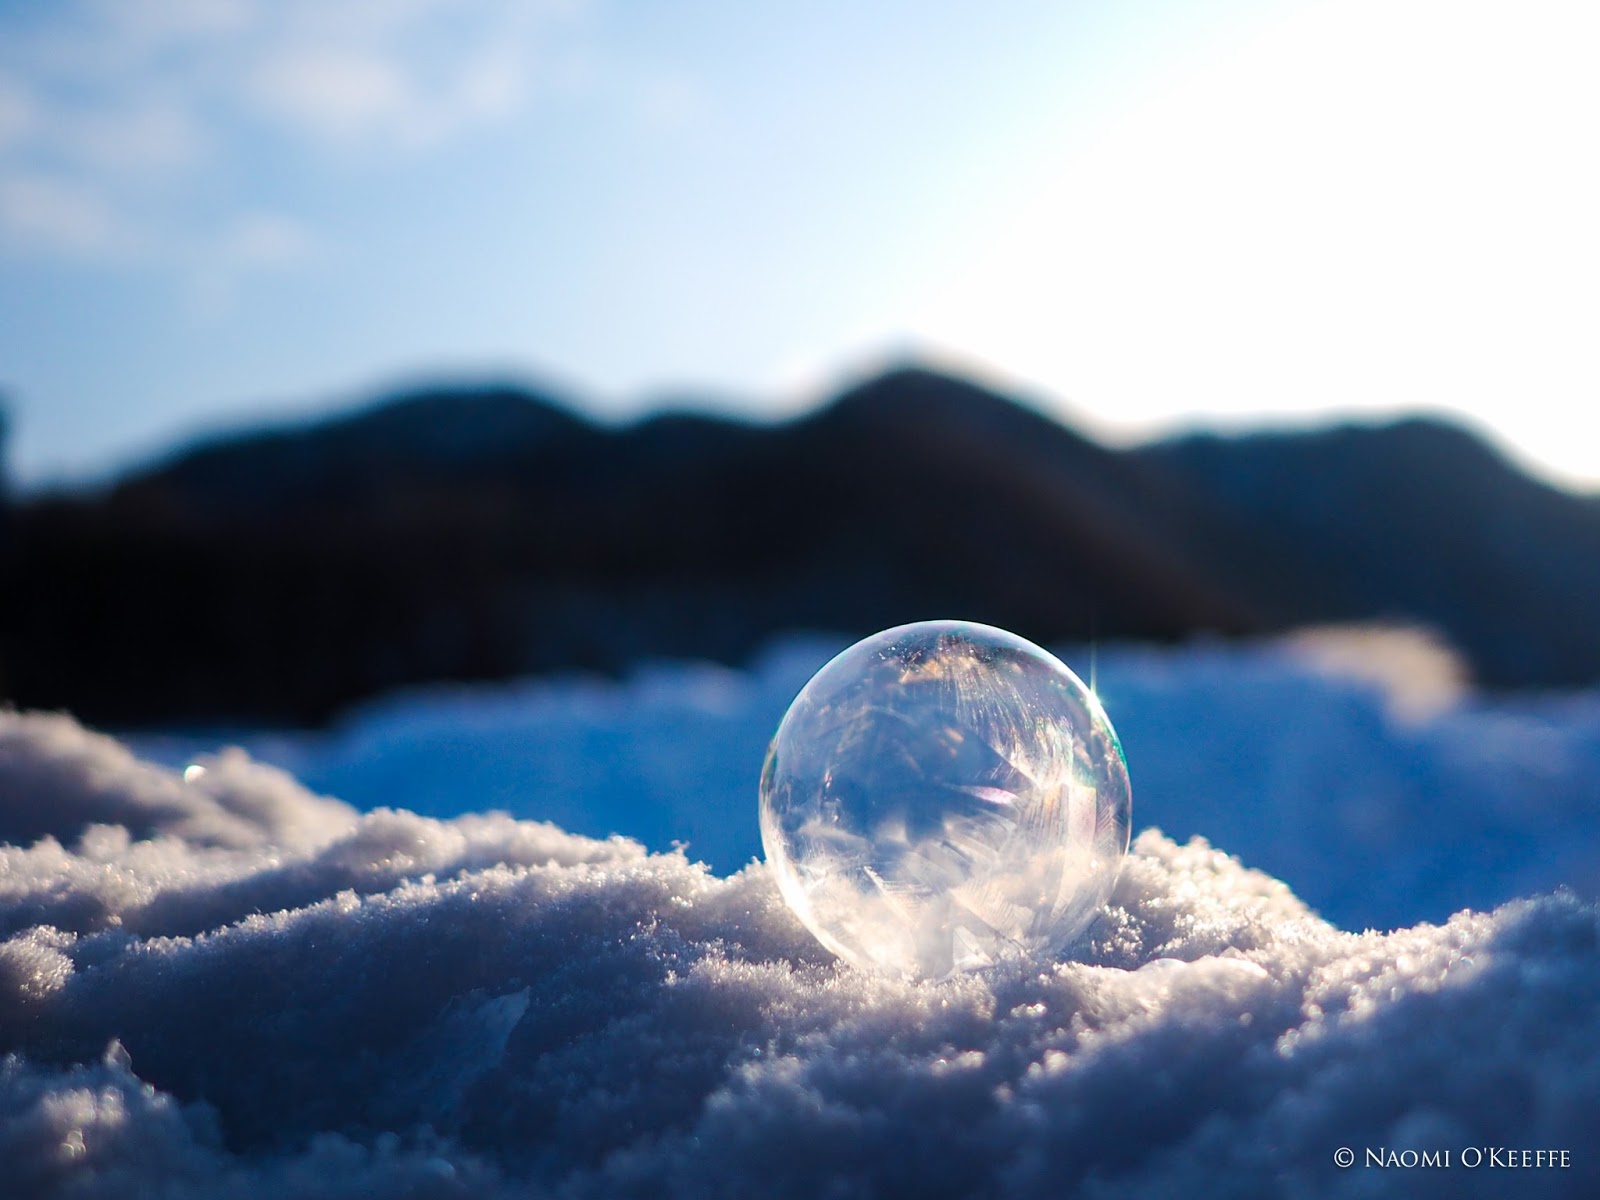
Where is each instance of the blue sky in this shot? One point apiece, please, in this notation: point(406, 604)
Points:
point(1141, 214)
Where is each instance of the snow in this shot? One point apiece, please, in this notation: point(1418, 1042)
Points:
point(215, 982)
point(1349, 763)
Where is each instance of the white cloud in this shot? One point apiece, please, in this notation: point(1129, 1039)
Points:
point(152, 25)
point(44, 215)
point(141, 104)
point(358, 94)
point(17, 112)
point(341, 93)
point(264, 239)
point(159, 136)
point(251, 244)
point(670, 102)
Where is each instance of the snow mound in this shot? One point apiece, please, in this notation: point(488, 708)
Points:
point(226, 986)
point(1347, 762)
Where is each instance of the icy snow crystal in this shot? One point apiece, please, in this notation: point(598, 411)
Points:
point(227, 986)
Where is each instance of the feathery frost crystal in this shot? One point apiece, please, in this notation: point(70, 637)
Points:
point(942, 796)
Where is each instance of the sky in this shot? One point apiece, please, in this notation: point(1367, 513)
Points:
point(1139, 215)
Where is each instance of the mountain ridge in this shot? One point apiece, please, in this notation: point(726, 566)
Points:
point(279, 575)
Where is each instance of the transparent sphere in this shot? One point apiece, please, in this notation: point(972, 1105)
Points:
point(943, 796)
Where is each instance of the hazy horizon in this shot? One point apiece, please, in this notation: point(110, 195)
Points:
point(286, 412)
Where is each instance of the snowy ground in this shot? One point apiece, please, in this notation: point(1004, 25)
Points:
point(226, 985)
point(1350, 767)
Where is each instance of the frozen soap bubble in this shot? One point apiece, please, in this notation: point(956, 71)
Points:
point(943, 796)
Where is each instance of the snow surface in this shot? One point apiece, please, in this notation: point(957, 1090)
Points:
point(215, 982)
point(1348, 763)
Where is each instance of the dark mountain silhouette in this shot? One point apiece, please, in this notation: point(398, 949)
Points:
point(1423, 521)
point(479, 534)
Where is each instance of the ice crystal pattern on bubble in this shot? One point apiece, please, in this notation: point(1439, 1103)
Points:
point(943, 796)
